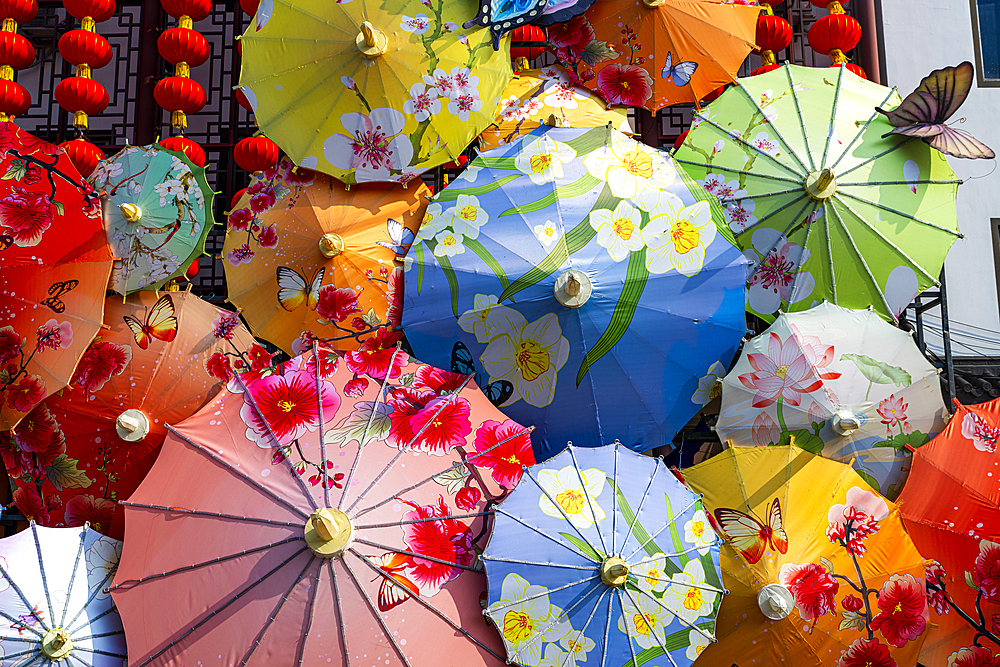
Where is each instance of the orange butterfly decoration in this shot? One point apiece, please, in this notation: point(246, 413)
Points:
point(57, 290)
point(390, 594)
point(161, 323)
point(750, 536)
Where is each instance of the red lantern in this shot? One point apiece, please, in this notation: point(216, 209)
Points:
point(239, 47)
point(773, 33)
point(192, 271)
point(14, 98)
point(826, 5)
point(183, 45)
point(83, 154)
point(714, 95)
point(176, 93)
point(457, 163)
point(834, 34)
point(680, 139)
point(79, 94)
point(764, 69)
point(236, 199)
point(15, 50)
point(82, 47)
point(21, 11)
point(249, 7)
point(527, 42)
point(854, 68)
point(255, 154)
point(195, 9)
point(99, 10)
point(190, 148)
point(242, 100)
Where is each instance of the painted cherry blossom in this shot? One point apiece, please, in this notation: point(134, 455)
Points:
point(463, 104)
point(418, 24)
point(739, 215)
point(856, 519)
point(423, 102)
point(373, 145)
point(983, 436)
point(771, 282)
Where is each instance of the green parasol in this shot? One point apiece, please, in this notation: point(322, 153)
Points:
point(824, 206)
point(157, 213)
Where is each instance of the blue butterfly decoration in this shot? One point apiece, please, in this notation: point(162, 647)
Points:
point(502, 16)
point(462, 362)
point(681, 73)
point(400, 238)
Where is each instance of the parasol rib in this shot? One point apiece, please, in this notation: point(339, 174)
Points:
point(547, 591)
point(416, 555)
point(543, 534)
point(17, 655)
point(875, 157)
point(864, 263)
point(631, 647)
point(580, 633)
point(18, 623)
point(773, 193)
point(425, 604)
point(652, 629)
point(743, 172)
point(799, 176)
point(406, 448)
point(774, 213)
point(955, 181)
point(590, 502)
point(527, 471)
point(27, 605)
point(277, 608)
point(364, 438)
point(805, 245)
point(378, 617)
point(132, 583)
point(829, 251)
point(681, 583)
point(41, 571)
point(254, 483)
point(607, 631)
point(80, 660)
point(93, 596)
point(528, 562)
point(90, 620)
point(341, 623)
point(454, 466)
point(635, 517)
point(99, 652)
point(839, 194)
point(565, 612)
point(228, 602)
point(214, 515)
point(833, 116)
point(777, 133)
point(802, 121)
point(784, 235)
point(614, 506)
point(412, 521)
point(700, 631)
point(253, 404)
point(72, 576)
point(324, 476)
point(653, 559)
point(103, 634)
point(861, 131)
point(672, 522)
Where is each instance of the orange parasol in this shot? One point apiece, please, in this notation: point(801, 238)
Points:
point(306, 257)
point(162, 357)
point(54, 267)
point(951, 508)
point(655, 53)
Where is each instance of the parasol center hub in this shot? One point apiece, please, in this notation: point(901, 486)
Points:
point(573, 288)
point(371, 41)
point(131, 212)
point(820, 185)
point(775, 601)
point(614, 571)
point(845, 422)
point(653, 3)
point(132, 425)
point(331, 245)
point(56, 644)
point(329, 532)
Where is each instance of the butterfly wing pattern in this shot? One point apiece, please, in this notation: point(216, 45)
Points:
point(502, 16)
point(294, 291)
point(400, 237)
point(57, 290)
point(161, 323)
point(924, 112)
point(751, 537)
point(393, 593)
point(680, 73)
point(498, 391)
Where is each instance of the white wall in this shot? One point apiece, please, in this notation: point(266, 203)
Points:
point(920, 36)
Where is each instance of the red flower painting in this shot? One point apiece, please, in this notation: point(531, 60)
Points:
point(503, 448)
point(448, 540)
point(100, 362)
point(903, 610)
point(378, 356)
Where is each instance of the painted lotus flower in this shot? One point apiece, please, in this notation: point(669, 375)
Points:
point(677, 236)
point(983, 436)
point(892, 410)
point(542, 160)
point(633, 170)
point(685, 598)
point(812, 587)
point(447, 539)
point(782, 373)
point(764, 431)
point(527, 619)
point(576, 501)
point(503, 448)
point(373, 145)
point(528, 355)
point(626, 85)
point(286, 406)
point(618, 231)
point(902, 608)
point(771, 283)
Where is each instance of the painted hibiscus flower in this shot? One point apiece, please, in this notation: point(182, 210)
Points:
point(813, 589)
point(36, 430)
point(973, 656)
point(866, 653)
point(10, 345)
point(986, 574)
point(425, 422)
point(240, 219)
point(934, 587)
point(784, 372)
point(99, 363)
point(26, 392)
point(219, 367)
point(627, 85)
point(83, 508)
point(394, 295)
point(31, 505)
point(503, 448)
point(26, 216)
point(336, 304)
point(378, 356)
point(16, 462)
point(287, 406)
point(448, 540)
point(903, 610)
point(437, 380)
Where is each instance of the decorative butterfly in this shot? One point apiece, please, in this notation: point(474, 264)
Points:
point(749, 535)
point(293, 290)
point(400, 237)
point(502, 16)
point(6, 241)
point(161, 323)
point(498, 391)
point(389, 594)
point(923, 113)
point(681, 73)
point(56, 290)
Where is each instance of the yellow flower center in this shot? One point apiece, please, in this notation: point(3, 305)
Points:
point(572, 501)
point(623, 228)
point(780, 371)
point(286, 406)
point(450, 240)
point(575, 646)
point(638, 163)
point(511, 459)
point(698, 529)
point(643, 623)
point(469, 212)
point(532, 359)
point(898, 608)
point(684, 235)
point(549, 231)
point(694, 599)
point(539, 163)
point(517, 627)
point(652, 577)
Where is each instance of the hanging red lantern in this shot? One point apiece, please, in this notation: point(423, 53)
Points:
point(236, 198)
point(714, 95)
point(14, 99)
point(82, 47)
point(83, 154)
point(16, 51)
point(255, 154)
point(773, 34)
point(18, 11)
point(854, 68)
point(242, 100)
point(457, 163)
point(192, 271)
point(764, 69)
point(190, 148)
point(680, 140)
point(195, 10)
point(249, 7)
point(88, 51)
point(180, 96)
point(834, 34)
point(178, 45)
point(81, 95)
point(528, 41)
point(98, 10)
point(833, 6)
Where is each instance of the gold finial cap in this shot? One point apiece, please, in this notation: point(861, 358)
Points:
point(572, 288)
point(56, 644)
point(131, 212)
point(331, 245)
point(820, 185)
point(614, 571)
point(328, 532)
point(371, 41)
